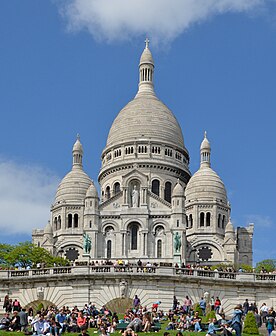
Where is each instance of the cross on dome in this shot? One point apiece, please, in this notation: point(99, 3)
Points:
point(147, 41)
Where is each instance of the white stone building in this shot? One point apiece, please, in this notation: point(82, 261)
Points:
point(149, 207)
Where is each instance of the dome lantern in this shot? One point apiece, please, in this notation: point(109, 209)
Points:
point(205, 152)
point(146, 69)
point(77, 153)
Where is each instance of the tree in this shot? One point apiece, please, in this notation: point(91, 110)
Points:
point(27, 255)
point(5, 249)
point(268, 265)
point(250, 325)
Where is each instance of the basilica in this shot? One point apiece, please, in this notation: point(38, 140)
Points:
point(149, 206)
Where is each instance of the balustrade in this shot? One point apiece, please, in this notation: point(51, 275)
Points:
point(134, 269)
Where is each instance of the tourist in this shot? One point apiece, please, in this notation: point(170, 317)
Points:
point(136, 302)
point(236, 321)
point(202, 305)
point(15, 322)
point(270, 322)
point(217, 305)
point(211, 327)
point(187, 304)
point(175, 303)
point(41, 327)
point(245, 306)
point(83, 331)
point(23, 316)
point(81, 320)
point(5, 322)
point(264, 312)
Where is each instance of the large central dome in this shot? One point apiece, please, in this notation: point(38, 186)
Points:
point(145, 117)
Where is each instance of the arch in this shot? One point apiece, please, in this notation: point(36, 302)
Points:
point(190, 221)
point(76, 220)
point(107, 192)
point(55, 223)
point(70, 221)
point(109, 249)
point(116, 188)
point(133, 230)
point(201, 219)
point(59, 222)
point(168, 192)
point(37, 303)
point(223, 222)
point(155, 187)
point(159, 248)
point(110, 222)
point(158, 222)
point(208, 219)
point(219, 220)
point(245, 260)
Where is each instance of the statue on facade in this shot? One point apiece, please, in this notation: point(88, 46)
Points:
point(123, 288)
point(177, 242)
point(87, 244)
point(206, 297)
point(135, 197)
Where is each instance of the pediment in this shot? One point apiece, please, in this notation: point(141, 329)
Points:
point(113, 204)
point(156, 203)
point(135, 174)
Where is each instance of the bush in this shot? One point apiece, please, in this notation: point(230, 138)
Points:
point(198, 309)
point(250, 325)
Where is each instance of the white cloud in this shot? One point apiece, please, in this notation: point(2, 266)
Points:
point(260, 221)
point(162, 20)
point(26, 193)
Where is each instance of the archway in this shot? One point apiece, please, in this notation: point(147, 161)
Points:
point(37, 304)
point(119, 305)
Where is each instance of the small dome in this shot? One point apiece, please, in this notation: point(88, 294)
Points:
point(205, 145)
point(229, 227)
point(205, 184)
point(92, 191)
point(77, 145)
point(146, 57)
point(178, 190)
point(73, 187)
point(48, 228)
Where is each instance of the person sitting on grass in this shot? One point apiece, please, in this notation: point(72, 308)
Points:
point(129, 332)
point(83, 331)
point(5, 322)
point(196, 320)
point(211, 327)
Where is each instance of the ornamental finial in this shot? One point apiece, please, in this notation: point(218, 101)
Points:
point(147, 43)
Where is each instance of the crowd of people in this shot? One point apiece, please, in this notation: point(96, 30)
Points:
point(183, 316)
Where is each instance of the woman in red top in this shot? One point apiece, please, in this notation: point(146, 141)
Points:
point(81, 320)
point(217, 305)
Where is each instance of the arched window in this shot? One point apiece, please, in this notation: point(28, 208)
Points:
point(201, 219)
point(107, 192)
point(55, 223)
point(70, 220)
point(191, 221)
point(219, 219)
point(159, 248)
point(208, 219)
point(168, 192)
point(59, 222)
point(116, 188)
point(76, 220)
point(155, 187)
point(108, 249)
point(134, 237)
point(223, 222)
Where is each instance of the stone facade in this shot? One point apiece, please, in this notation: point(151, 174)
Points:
point(150, 207)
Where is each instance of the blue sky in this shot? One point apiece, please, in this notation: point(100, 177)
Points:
point(68, 67)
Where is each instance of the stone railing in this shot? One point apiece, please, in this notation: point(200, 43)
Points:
point(134, 269)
